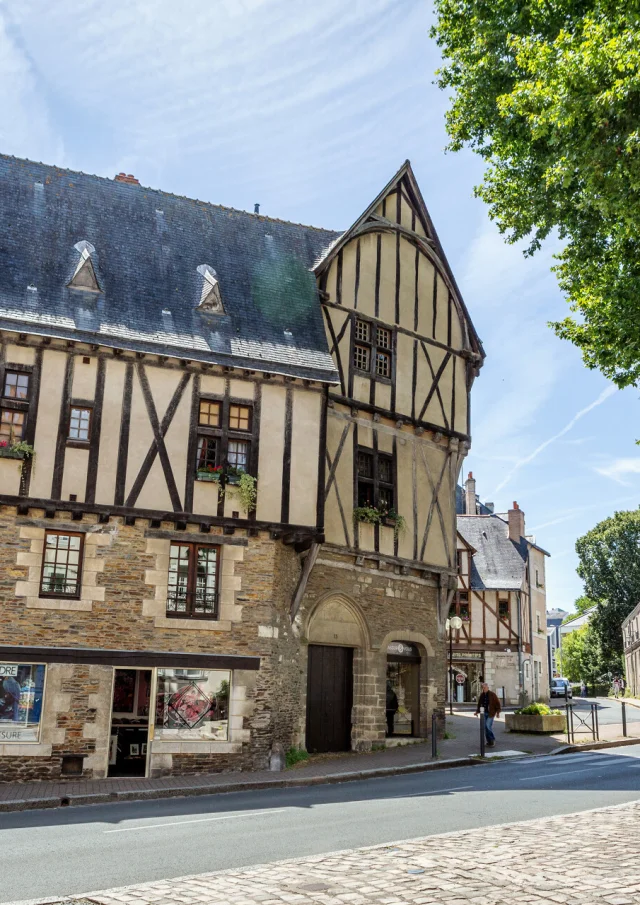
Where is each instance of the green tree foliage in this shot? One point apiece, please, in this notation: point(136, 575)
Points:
point(548, 93)
point(582, 657)
point(609, 565)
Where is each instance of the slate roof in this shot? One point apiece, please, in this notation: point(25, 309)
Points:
point(499, 563)
point(148, 245)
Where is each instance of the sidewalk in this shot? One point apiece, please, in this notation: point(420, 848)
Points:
point(498, 865)
point(463, 743)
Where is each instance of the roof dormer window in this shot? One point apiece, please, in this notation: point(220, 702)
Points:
point(84, 276)
point(210, 295)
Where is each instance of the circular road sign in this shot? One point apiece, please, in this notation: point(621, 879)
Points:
point(460, 679)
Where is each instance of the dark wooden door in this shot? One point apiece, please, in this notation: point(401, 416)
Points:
point(329, 698)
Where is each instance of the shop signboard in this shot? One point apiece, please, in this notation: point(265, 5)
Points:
point(21, 697)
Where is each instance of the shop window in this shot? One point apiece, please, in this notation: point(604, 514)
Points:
point(503, 609)
point(21, 696)
point(376, 485)
point(61, 565)
point(373, 349)
point(193, 581)
point(12, 424)
point(16, 385)
point(193, 704)
point(80, 424)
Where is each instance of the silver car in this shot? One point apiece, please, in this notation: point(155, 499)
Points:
point(561, 688)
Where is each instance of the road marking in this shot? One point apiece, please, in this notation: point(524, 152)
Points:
point(562, 773)
point(159, 826)
point(434, 792)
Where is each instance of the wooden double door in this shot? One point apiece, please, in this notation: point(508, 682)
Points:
point(329, 698)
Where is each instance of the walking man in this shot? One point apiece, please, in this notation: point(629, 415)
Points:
point(490, 703)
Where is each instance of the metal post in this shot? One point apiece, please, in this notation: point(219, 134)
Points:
point(482, 736)
point(450, 671)
point(594, 721)
point(624, 719)
point(568, 708)
point(597, 723)
point(434, 735)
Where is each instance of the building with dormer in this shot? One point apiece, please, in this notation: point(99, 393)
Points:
point(229, 449)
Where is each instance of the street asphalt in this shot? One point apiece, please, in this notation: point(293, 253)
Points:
point(609, 710)
point(65, 851)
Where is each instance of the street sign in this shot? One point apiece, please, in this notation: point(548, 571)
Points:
point(460, 679)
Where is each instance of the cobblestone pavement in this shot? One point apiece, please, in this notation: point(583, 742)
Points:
point(580, 859)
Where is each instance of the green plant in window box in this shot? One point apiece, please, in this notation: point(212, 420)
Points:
point(368, 514)
point(16, 449)
point(393, 519)
point(210, 473)
point(245, 488)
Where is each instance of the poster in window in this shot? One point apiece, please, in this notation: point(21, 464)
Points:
point(192, 704)
point(21, 695)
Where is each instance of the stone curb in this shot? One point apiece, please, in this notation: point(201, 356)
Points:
point(597, 746)
point(26, 804)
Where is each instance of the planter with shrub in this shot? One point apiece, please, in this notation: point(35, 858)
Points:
point(536, 718)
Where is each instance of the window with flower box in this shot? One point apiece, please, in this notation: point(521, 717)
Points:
point(225, 439)
point(376, 485)
point(192, 590)
point(14, 407)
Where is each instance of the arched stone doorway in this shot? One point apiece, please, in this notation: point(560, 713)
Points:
point(337, 639)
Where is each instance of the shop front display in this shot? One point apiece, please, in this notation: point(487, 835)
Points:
point(21, 700)
point(403, 689)
point(192, 704)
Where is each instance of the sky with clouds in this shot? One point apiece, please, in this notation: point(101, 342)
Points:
point(309, 109)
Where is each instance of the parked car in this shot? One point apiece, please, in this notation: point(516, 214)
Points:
point(559, 688)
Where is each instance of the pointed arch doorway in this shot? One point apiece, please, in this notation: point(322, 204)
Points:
point(335, 632)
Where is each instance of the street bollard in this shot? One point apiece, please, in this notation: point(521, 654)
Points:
point(482, 737)
point(624, 719)
point(594, 722)
point(568, 708)
point(434, 735)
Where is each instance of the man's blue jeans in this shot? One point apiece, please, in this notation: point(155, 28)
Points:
point(488, 728)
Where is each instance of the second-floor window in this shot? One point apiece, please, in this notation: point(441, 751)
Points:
point(80, 424)
point(503, 609)
point(14, 407)
point(224, 440)
point(61, 565)
point(376, 485)
point(373, 349)
point(193, 581)
point(463, 606)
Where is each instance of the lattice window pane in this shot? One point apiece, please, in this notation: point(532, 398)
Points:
point(238, 454)
point(79, 424)
point(207, 452)
point(383, 338)
point(363, 331)
point(207, 564)
point(11, 425)
point(16, 385)
point(365, 465)
point(361, 358)
point(385, 498)
point(61, 567)
point(209, 414)
point(383, 364)
point(365, 494)
point(385, 470)
point(191, 583)
point(240, 417)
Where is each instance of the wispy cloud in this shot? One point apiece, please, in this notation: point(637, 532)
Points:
point(604, 395)
point(619, 469)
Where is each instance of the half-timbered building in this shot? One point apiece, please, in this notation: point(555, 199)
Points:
point(501, 600)
point(229, 448)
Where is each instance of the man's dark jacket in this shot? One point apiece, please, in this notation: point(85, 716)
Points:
point(494, 704)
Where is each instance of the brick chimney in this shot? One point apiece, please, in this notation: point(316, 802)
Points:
point(516, 523)
point(470, 495)
point(127, 177)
